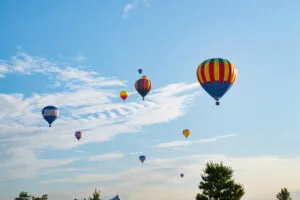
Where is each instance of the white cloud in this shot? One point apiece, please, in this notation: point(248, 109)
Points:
point(85, 104)
point(132, 5)
point(72, 77)
point(135, 153)
point(178, 143)
point(108, 156)
point(19, 163)
point(78, 58)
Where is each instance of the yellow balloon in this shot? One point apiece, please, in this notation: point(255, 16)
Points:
point(186, 132)
point(123, 94)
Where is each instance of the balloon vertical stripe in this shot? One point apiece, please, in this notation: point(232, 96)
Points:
point(222, 68)
point(230, 73)
point(216, 70)
point(235, 74)
point(202, 73)
point(226, 70)
point(199, 76)
point(206, 71)
point(211, 71)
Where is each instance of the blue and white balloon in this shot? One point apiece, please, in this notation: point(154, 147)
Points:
point(50, 114)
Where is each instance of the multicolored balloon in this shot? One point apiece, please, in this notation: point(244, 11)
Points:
point(124, 95)
point(140, 71)
point(143, 86)
point(216, 76)
point(182, 175)
point(186, 133)
point(50, 114)
point(78, 135)
point(142, 158)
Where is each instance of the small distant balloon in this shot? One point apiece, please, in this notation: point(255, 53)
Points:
point(182, 175)
point(186, 133)
point(78, 135)
point(142, 158)
point(143, 86)
point(124, 95)
point(140, 71)
point(50, 114)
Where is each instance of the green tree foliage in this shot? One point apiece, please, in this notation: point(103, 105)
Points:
point(96, 195)
point(218, 184)
point(44, 197)
point(23, 196)
point(26, 196)
point(284, 195)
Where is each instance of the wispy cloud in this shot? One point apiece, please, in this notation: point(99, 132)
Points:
point(78, 58)
point(108, 156)
point(133, 5)
point(19, 162)
point(85, 103)
point(71, 77)
point(135, 153)
point(178, 143)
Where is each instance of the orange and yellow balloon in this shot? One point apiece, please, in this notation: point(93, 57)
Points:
point(186, 133)
point(124, 95)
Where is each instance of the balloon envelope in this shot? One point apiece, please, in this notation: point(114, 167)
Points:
point(140, 71)
point(143, 86)
point(78, 135)
point(186, 133)
point(216, 76)
point(181, 175)
point(142, 158)
point(124, 95)
point(50, 114)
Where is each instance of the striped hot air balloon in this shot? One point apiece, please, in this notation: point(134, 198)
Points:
point(50, 114)
point(216, 76)
point(78, 135)
point(143, 86)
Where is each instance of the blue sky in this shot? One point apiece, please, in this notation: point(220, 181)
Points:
point(79, 55)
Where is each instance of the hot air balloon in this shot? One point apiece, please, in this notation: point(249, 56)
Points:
point(216, 76)
point(50, 114)
point(124, 95)
point(78, 135)
point(182, 175)
point(186, 133)
point(143, 86)
point(140, 71)
point(142, 158)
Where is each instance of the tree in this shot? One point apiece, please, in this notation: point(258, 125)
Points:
point(218, 184)
point(96, 195)
point(284, 195)
point(23, 196)
point(26, 196)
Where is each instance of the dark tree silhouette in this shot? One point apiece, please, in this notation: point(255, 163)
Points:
point(96, 195)
point(218, 184)
point(284, 195)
